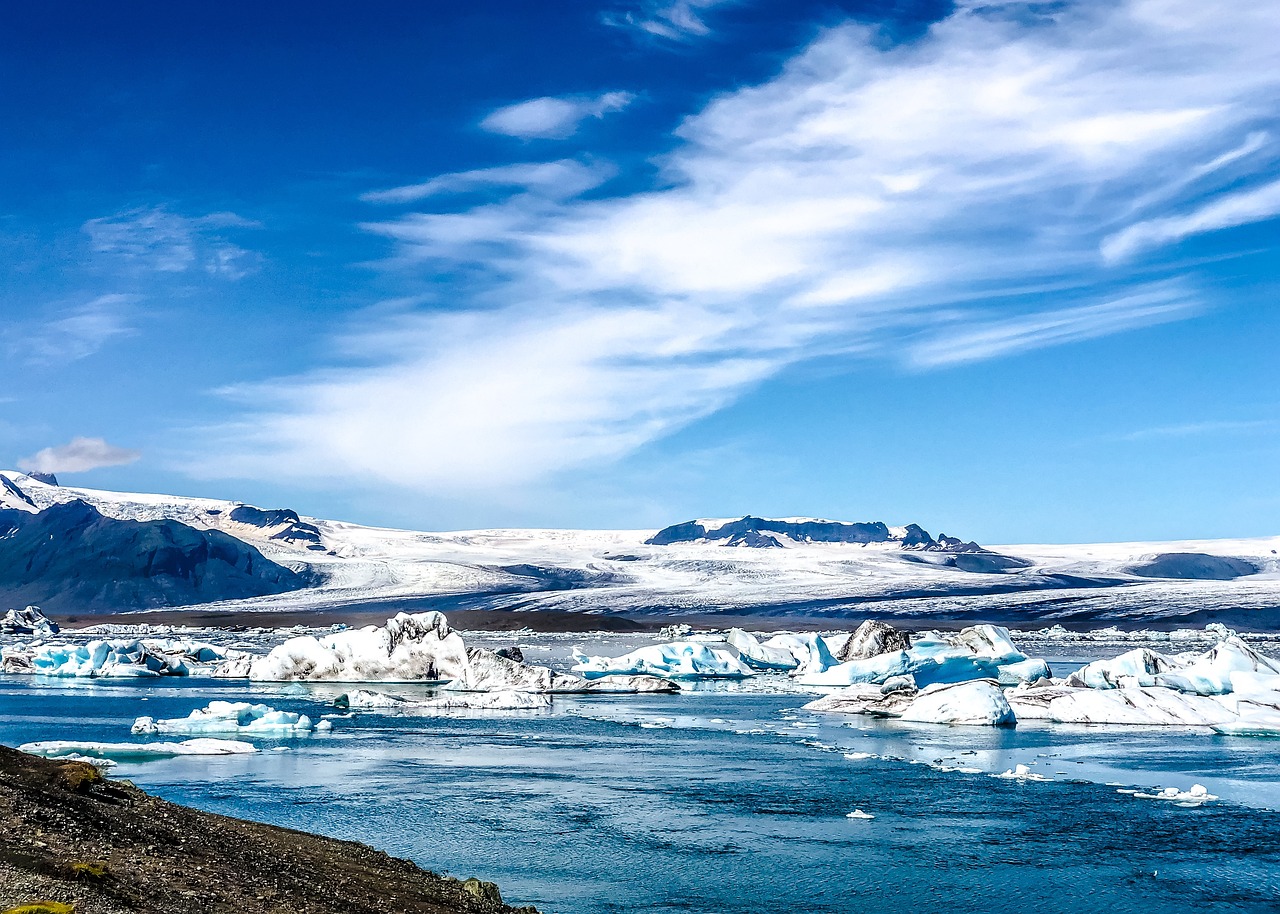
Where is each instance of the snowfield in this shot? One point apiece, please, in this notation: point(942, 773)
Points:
point(1146, 583)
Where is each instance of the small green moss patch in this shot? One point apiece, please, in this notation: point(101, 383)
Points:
point(41, 907)
point(92, 870)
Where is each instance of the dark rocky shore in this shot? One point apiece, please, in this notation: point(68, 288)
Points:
point(79, 842)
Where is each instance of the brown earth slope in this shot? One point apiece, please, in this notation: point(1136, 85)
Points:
point(69, 836)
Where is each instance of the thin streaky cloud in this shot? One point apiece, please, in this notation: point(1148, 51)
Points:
point(560, 179)
point(681, 21)
point(1009, 336)
point(1257, 204)
point(1194, 429)
point(553, 118)
point(73, 333)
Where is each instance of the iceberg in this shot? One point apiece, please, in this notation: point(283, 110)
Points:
point(28, 621)
point(980, 702)
point(138, 751)
point(1140, 706)
point(116, 658)
point(409, 648)
point(1021, 773)
point(872, 637)
point(1210, 673)
point(1197, 795)
point(979, 652)
point(676, 660)
point(782, 652)
point(239, 718)
point(858, 814)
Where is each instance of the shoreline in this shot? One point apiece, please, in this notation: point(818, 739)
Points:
point(70, 836)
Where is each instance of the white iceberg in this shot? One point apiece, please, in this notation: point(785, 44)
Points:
point(676, 660)
point(782, 652)
point(28, 621)
point(138, 751)
point(239, 718)
point(859, 814)
point(1140, 706)
point(1021, 773)
point(1199, 674)
point(978, 652)
point(1196, 796)
point(409, 648)
point(980, 702)
point(977, 702)
point(118, 658)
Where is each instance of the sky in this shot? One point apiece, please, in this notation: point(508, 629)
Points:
point(1006, 270)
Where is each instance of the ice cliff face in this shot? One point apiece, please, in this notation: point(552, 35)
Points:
point(69, 557)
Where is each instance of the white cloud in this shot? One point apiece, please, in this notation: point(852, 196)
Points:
point(1194, 429)
point(551, 118)
point(559, 180)
point(1006, 336)
point(680, 21)
point(935, 202)
point(72, 333)
point(77, 456)
point(1228, 211)
point(156, 239)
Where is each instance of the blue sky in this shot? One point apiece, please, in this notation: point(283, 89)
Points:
point(1005, 270)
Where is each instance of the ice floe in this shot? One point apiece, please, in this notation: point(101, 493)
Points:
point(859, 814)
point(138, 751)
point(980, 702)
point(1196, 796)
point(408, 648)
point(238, 718)
point(115, 658)
point(675, 660)
point(1021, 773)
point(27, 621)
point(978, 652)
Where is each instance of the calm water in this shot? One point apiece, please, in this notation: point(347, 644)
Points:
point(729, 801)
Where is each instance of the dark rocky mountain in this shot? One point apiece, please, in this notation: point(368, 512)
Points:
point(70, 558)
point(293, 528)
point(756, 532)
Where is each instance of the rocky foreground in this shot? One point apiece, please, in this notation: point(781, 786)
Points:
point(77, 841)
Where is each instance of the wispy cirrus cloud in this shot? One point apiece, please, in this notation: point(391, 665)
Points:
point(160, 240)
point(933, 203)
point(71, 333)
point(1197, 429)
point(555, 180)
point(551, 117)
point(681, 21)
point(78, 456)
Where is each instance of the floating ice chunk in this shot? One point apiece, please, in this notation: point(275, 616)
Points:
point(859, 756)
point(864, 699)
point(757, 655)
point(615, 684)
point(408, 648)
point(1021, 773)
point(979, 702)
point(366, 700)
point(1032, 669)
point(28, 621)
point(115, 658)
point(1154, 706)
point(782, 652)
point(859, 814)
point(1207, 674)
point(139, 751)
point(872, 638)
point(239, 718)
point(503, 700)
point(1197, 795)
point(677, 660)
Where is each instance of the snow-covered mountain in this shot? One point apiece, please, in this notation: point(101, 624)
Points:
point(800, 568)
